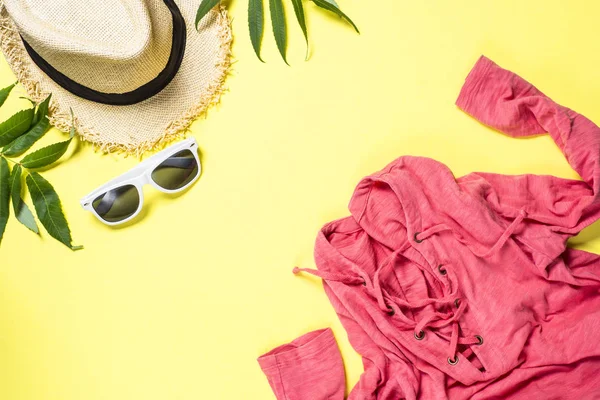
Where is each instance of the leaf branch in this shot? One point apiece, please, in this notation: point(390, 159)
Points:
point(17, 136)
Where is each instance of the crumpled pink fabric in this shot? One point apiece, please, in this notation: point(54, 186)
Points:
point(463, 288)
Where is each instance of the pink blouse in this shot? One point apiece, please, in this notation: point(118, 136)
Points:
point(463, 288)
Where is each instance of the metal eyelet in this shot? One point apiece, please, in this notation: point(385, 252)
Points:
point(457, 303)
point(416, 238)
point(420, 335)
point(390, 311)
point(480, 340)
point(453, 361)
point(442, 269)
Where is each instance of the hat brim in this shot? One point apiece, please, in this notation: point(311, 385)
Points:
point(148, 125)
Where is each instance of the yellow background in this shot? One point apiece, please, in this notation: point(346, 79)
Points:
point(180, 305)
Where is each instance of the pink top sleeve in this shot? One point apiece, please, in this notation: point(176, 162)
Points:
point(508, 103)
point(309, 368)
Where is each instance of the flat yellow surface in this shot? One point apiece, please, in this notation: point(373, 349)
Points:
point(180, 305)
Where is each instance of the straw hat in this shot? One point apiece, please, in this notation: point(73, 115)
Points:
point(135, 72)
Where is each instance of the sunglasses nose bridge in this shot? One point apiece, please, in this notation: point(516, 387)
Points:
point(144, 180)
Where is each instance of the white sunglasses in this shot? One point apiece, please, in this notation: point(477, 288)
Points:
point(171, 170)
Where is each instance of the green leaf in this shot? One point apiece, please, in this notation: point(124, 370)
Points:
point(299, 10)
point(204, 8)
point(332, 6)
point(4, 195)
point(72, 132)
point(22, 212)
point(48, 209)
point(42, 110)
point(40, 126)
point(15, 126)
point(256, 24)
point(49, 154)
point(279, 28)
point(46, 155)
point(5, 92)
point(24, 142)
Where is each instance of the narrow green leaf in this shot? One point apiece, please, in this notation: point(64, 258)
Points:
point(279, 27)
point(24, 142)
point(15, 126)
point(49, 154)
point(299, 10)
point(4, 195)
point(5, 92)
point(22, 212)
point(333, 7)
point(46, 155)
point(256, 22)
point(40, 126)
point(42, 109)
point(204, 8)
point(48, 209)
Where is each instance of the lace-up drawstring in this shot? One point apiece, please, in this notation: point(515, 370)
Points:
point(421, 236)
point(330, 276)
point(432, 319)
point(379, 294)
point(428, 320)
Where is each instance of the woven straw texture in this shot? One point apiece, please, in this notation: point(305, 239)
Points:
point(132, 53)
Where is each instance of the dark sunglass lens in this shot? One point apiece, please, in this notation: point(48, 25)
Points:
point(176, 171)
point(117, 204)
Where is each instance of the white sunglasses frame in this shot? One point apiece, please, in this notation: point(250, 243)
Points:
point(141, 175)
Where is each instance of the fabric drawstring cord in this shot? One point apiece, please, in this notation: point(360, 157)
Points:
point(432, 319)
point(421, 236)
point(329, 276)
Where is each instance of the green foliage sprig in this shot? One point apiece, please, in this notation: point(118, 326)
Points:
point(17, 135)
point(256, 20)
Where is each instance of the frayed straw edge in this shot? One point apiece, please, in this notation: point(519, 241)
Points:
point(15, 54)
